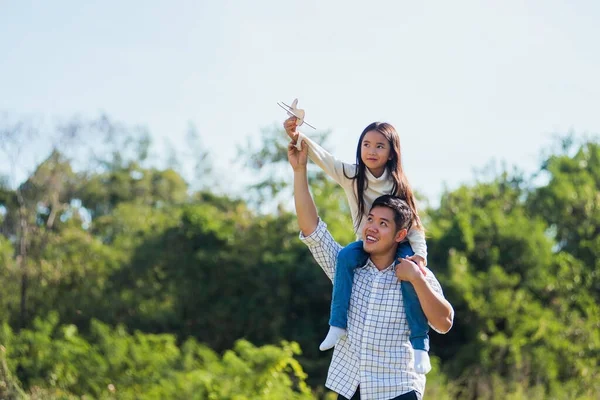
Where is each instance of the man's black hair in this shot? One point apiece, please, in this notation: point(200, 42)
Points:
point(403, 215)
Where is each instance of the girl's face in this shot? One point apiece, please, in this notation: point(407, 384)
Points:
point(375, 152)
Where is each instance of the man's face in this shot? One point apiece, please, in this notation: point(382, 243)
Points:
point(379, 233)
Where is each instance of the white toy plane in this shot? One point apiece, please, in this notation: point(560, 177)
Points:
point(293, 111)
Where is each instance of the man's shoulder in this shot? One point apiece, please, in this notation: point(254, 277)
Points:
point(404, 250)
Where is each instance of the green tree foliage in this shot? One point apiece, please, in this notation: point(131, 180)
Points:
point(56, 361)
point(132, 184)
point(9, 275)
point(516, 297)
point(570, 203)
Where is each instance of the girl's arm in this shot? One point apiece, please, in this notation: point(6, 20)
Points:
point(416, 238)
point(328, 163)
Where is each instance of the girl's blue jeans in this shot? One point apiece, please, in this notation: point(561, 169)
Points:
point(354, 256)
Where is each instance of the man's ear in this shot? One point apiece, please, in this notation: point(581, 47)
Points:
point(400, 235)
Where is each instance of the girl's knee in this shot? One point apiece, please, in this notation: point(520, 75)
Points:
point(352, 255)
point(353, 249)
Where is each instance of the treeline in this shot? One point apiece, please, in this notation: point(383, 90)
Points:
point(122, 280)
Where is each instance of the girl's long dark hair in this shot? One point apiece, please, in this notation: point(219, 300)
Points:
point(400, 188)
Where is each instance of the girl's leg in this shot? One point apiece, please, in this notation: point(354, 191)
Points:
point(417, 323)
point(349, 258)
point(419, 328)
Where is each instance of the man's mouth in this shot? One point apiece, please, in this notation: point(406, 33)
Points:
point(371, 239)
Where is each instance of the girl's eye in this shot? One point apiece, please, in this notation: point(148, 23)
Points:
point(380, 146)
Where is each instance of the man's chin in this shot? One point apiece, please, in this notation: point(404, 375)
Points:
point(368, 247)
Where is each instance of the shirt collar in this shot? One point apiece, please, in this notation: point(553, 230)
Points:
point(371, 177)
point(371, 267)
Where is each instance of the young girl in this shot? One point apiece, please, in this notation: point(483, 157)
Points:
point(378, 171)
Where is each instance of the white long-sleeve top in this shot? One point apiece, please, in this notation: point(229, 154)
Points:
point(376, 187)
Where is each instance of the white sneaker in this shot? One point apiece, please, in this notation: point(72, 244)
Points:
point(422, 363)
point(332, 338)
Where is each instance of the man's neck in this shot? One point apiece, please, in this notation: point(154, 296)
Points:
point(382, 261)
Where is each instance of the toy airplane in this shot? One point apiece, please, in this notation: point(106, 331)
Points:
point(292, 111)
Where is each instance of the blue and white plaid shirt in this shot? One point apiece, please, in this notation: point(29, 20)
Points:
point(376, 354)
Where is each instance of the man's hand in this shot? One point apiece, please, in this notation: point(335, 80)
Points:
point(407, 270)
point(437, 309)
point(298, 158)
point(290, 128)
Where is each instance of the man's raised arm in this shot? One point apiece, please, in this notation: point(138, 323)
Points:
point(306, 211)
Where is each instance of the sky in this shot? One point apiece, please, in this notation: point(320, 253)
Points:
point(465, 83)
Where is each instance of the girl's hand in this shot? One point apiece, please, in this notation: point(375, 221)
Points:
point(407, 270)
point(420, 261)
point(290, 128)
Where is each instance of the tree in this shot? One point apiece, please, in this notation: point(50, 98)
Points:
point(510, 285)
point(56, 361)
point(32, 208)
point(570, 202)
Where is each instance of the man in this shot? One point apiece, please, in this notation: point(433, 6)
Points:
point(375, 359)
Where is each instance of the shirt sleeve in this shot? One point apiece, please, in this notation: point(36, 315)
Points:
point(323, 248)
point(437, 288)
point(328, 163)
point(416, 238)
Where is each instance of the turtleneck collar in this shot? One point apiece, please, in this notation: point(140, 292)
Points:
point(384, 177)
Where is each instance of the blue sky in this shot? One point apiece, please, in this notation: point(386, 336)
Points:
point(463, 82)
